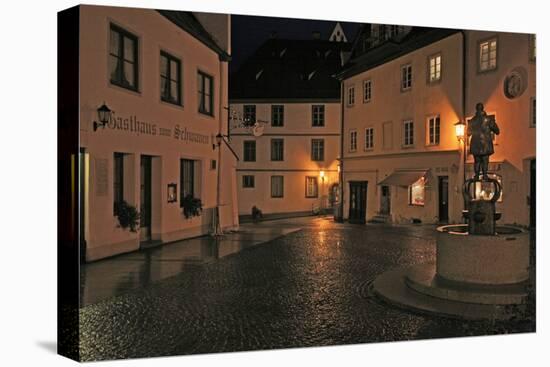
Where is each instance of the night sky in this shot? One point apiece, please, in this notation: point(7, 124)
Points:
point(249, 32)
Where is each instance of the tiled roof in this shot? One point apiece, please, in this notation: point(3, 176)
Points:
point(189, 23)
point(290, 69)
point(417, 38)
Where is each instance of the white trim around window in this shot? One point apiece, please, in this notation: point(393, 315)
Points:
point(408, 133)
point(369, 138)
point(367, 90)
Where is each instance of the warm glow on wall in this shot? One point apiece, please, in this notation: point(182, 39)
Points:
point(460, 127)
point(322, 174)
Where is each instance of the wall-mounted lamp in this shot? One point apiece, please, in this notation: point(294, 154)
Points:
point(460, 128)
point(219, 139)
point(104, 116)
point(322, 175)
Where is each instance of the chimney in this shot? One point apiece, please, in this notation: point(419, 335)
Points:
point(316, 35)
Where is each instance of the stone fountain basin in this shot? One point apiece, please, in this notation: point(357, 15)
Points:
point(502, 259)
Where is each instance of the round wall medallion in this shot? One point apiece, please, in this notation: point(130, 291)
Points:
point(515, 83)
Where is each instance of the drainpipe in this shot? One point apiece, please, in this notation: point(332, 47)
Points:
point(340, 216)
point(464, 94)
point(216, 217)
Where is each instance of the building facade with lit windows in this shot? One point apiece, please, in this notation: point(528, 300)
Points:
point(287, 87)
point(405, 89)
point(164, 76)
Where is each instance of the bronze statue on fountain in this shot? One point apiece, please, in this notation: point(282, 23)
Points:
point(481, 214)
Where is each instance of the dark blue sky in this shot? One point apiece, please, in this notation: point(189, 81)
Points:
point(249, 32)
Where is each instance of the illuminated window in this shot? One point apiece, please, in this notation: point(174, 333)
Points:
point(488, 55)
point(416, 192)
point(434, 127)
point(367, 90)
point(312, 187)
point(123, 58)
point(318, 115)
point(369, 138)
point(317, 150)
point(277, 186)
point(435, 68)
point(351, 96)
point(532, 47)
point(408, 133)
point(406, 77)
point(353, 140)
point(248, 181)
point(170, 78)
point(249, 113)
point(277, 115)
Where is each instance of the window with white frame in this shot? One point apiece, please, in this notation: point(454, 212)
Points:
point(277, 186)
point(406, 77)
point(318, 115)
point(434, 130)
point(312, 187)
point(353, 140)
point(488, 55)
point(317, 149)
point(408, 133)
point(417, 192)
point(277, 115)
point(249, 113)
point(351, 96)
point(434, 65)
point(369, 138)
point(367, 90)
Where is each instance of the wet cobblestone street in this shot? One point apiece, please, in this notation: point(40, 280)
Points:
point(308, 288)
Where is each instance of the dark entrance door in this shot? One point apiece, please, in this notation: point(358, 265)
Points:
point(385, 200)
point(443, 198)
point(533, 195)
point(145, 198)
point(357, 201)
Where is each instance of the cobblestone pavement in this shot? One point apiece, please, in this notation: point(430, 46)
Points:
point(308, 288)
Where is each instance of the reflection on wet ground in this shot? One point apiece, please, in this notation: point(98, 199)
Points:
point(308, 288)
point(114, 276)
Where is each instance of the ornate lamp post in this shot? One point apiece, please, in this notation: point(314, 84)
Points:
point(322, 177)
point(460, 131)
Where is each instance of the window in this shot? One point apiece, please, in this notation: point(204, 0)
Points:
point(434, 66)
point(248, 181)
point(317, 150)
point(123, 58)
point(187, 179)
point(369, 138)
point(408, 133)
point(277, 115)
point(488, 55)
point(170, 78)
point(367, 90)
point(249, 149)
point(406, 77)
point(205, 88)
point(249, 112)
point(416, 192)
point(433, 130)
point(118, 179)
point(318, 115)
point(351, 96)
point(312, 187)
point(213, 164)
point(353, 141)
point(277, 186)
point(532, 47)
point(533, 112)
point(277, 149)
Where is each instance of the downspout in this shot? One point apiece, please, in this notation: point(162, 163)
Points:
point(216, 217)
point(340, 216)
point(463, 117)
